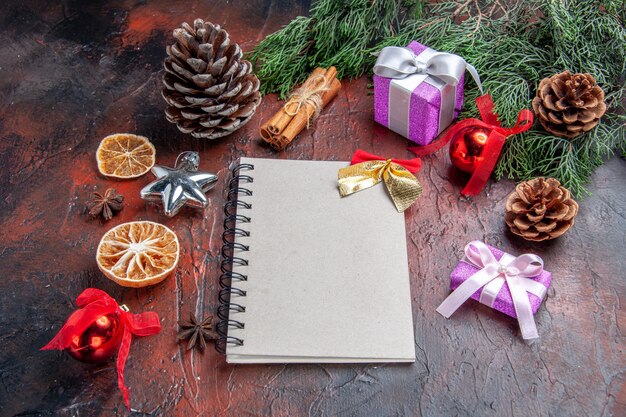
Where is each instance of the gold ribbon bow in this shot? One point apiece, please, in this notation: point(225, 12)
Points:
point(402, 186)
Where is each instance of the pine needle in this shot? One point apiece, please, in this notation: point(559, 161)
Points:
point(513, 45)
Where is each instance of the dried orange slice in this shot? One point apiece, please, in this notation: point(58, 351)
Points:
point(138, 254)
point(125, 156)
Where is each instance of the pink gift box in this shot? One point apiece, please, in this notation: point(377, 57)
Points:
point(418, 107)
point(503, 301)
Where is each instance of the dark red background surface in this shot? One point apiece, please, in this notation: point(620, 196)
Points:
point(72, 72)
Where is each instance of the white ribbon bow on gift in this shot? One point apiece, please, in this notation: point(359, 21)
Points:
point(515, 271)
point(397, 62)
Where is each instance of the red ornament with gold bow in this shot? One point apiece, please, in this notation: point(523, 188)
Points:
point(100, 328)
point(475, 144)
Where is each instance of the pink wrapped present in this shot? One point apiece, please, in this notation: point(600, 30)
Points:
point(513, 285)
point(418, 91)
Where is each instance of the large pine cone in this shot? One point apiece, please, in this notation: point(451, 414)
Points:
point(569, 104)
point(540, 209)
point(210, 90)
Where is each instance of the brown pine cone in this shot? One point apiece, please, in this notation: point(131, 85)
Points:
point(210, 90)
point(540, 209)
point(569, 104)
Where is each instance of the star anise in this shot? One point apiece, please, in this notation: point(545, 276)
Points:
point(197, 332)
point(105, 205)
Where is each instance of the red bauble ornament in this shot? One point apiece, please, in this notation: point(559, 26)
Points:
point(100, 328)
point(466, 148)
point(100, 341)
point(475, 145)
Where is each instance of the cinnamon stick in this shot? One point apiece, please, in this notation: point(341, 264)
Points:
point(264, 131)
point(301, 119)
point(280, 121)
point(282, 128)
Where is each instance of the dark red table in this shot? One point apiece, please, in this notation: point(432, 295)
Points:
point(73, 72)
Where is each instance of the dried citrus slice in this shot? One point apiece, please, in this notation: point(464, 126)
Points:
point(138, 254)
point(125, 156)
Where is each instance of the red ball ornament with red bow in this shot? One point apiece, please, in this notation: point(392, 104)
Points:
point(475, 144)
point(100, 328)
point(99, 342)
point(466, 148)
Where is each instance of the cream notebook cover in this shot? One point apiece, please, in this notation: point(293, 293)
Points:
point(327, 277)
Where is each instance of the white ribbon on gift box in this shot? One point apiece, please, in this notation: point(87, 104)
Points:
point(439, 69)
point(515, 271)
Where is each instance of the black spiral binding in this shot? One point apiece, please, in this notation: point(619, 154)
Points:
point(233, 216)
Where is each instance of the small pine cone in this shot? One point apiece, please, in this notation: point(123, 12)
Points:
point(569, 104)
point(540, 209)
point(210, 90)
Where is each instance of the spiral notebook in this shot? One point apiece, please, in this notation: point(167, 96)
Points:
point(308, 276)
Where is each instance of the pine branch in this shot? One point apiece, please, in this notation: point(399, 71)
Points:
point(336, 34)
point(585, 39)
point(513, 46)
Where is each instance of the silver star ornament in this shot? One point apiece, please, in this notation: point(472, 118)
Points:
point(180, 186)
